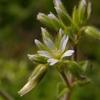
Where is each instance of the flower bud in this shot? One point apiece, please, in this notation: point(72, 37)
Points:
point(82, 11)
point(61, 11)
point(37, 59)
point(50, 21)
point(44, 19)
point(93, 32)
point(34, 79)
point(55, 21)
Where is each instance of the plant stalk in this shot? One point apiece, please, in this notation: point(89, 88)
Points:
point(5, 95)
point(66, 79)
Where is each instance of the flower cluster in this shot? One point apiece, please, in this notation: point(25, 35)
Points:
point(56, 50)
point(49, 54)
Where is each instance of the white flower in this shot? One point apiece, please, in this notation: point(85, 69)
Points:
point(51, 52)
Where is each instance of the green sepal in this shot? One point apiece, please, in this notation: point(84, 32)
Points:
point(62, 13)
point(37, 59)
point(84, 65)
point(82, 11)
point(93, 32)
point(61, 90)
point(76, 70)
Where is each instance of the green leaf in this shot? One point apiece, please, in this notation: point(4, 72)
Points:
point(76, 70)
point(61, 90)
point(84, 65)
point(93, 32)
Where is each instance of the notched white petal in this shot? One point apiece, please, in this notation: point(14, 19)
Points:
point(51, 15)
point(68, 53)
point(84, 2)
point(31, 57)
point(39, 44)
point(49, 43)
point(63, 43)
point(47, 38)
point(52, 61)
point(57, 3)
point(40, 16)
point(44, 54)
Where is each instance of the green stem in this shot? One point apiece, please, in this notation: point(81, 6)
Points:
point(68, 85)
point(5, 95)
point(65, 79)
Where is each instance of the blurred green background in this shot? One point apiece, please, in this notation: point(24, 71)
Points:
point(18, 28)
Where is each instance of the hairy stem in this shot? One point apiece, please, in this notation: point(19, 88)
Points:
point(65, 78)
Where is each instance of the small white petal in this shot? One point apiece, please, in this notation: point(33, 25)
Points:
point(47, 38)
point(84, 2)
point(51, 15)
point(39, 44)
point(44, 54)
point(40, 16)
point(49, 43)
point(67, 53)
point(57, 3)
point(31, 57)
point(52, 61)
point(63, 43)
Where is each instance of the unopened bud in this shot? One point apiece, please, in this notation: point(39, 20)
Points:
point(92, 31)
point(34, 79)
